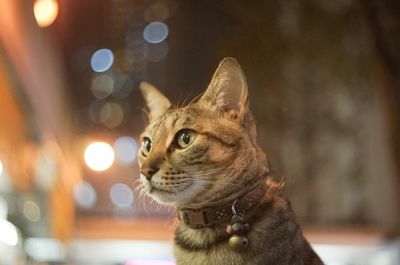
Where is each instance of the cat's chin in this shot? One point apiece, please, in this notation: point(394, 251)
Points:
point(162, 196)
point(183, 196)
point(168, 197)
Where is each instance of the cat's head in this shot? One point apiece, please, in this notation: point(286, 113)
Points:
point(205, 151)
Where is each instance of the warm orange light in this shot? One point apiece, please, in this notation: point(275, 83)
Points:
point(99, 156)
point(46, 12)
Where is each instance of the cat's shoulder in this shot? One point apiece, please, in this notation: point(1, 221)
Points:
point(275, 194)
point(273, 187)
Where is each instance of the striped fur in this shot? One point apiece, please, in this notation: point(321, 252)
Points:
point(222, 161)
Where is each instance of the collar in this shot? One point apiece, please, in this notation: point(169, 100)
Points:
point(208, 217)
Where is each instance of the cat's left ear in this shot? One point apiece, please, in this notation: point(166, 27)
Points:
point(156, 101)
point(227, 90)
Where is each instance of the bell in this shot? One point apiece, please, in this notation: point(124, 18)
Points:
point(238, 243)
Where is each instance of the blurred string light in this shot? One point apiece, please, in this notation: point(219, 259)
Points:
point(102, 86)
point(85, 195)
point(121, 195)
point(99, 156)
point(155, 32)
point(102, 60)
point(45, 12)
point(8, 233)
point(125, 149)
point(31, 211)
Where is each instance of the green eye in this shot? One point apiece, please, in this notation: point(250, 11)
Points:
point(185, 138)
point(146, 146)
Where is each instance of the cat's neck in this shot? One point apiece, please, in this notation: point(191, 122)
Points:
point(225, 196)
point(209, 217)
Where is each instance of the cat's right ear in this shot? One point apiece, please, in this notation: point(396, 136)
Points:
point(158, 103)
point(227, 90)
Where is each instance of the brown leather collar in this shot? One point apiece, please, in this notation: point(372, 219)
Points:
point(208, 217)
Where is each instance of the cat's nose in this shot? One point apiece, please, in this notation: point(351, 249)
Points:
point(152, 165)
point(149, 172)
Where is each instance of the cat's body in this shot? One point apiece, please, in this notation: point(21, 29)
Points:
point(204, 158)
point(275, 238)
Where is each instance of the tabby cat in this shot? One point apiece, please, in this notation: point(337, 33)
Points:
point(203, 159)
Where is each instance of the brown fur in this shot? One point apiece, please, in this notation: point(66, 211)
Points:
point(221, 163)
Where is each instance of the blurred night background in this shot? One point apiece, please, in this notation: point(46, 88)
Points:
point(324, 81)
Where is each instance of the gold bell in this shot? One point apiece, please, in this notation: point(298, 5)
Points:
point(238, 243)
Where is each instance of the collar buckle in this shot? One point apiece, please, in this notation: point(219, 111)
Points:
point(195, 218)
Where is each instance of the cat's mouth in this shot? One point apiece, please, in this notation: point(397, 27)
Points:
point(157, 189)
point(169, 193)
point(161, 195)
point(153, 190)
point(167, 196)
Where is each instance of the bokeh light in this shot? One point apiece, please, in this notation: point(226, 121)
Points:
point(3, 208)
point(31, 211)
point(125, 149)
point(45, 12)
point(112, 115)
point(102, 60)
point(158, 11)
point(1, 167)
point(85, 195)
point(45, 249)
point(95, 109)
point(8, 233)
point(102, 86)
point(6, 185)
point(121, 195)
point(155, 32)
point(99, 156)
point(123, 85)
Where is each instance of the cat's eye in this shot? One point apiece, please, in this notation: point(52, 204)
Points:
point(185, 138)
point(146, 146)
